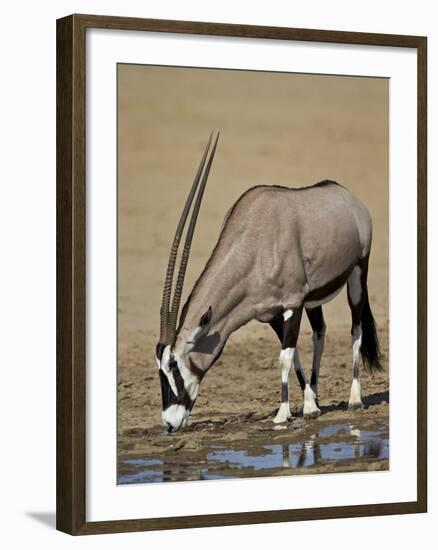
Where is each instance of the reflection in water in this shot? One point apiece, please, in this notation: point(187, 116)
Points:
point(332, 444)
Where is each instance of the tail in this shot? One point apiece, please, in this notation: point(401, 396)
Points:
point(370, 349)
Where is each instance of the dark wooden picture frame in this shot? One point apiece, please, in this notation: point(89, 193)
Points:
point(71, 273)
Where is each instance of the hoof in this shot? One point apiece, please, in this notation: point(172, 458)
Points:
point(279, 419)
point(355, 406)
point(283, 414)
point(312, 414)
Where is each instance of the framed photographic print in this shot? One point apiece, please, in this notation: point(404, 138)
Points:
point(241, 274)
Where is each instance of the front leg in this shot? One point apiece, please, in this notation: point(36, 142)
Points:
point(310, 408)
point(288, 333)
point(285, 360)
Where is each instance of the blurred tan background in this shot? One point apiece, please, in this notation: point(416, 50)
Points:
point(282, 129)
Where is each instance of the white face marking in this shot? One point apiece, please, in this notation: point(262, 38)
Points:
point(354, 285)
point(287, 314)
point(165, 358)
point(191, 382)
point(175, 416)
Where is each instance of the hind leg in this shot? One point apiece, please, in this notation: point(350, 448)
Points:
point(317, 323)
point(356, 298)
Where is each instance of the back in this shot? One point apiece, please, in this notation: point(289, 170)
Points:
point(305, 235)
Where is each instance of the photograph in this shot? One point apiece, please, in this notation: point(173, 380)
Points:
point(252, 274)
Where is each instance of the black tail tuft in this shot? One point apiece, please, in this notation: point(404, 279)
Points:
point(369, 348)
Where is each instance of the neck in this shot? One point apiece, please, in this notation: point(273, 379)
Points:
point(230, 310)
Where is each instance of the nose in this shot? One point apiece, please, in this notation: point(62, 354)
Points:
point(169, 428)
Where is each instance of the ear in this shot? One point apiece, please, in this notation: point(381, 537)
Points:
point(202, 328)
point(205, 319)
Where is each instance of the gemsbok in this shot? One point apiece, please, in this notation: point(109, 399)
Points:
point(280, 250)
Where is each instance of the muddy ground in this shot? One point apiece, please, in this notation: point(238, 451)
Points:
point(232, 418)
point(281, 129)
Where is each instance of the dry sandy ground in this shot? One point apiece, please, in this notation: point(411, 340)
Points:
point(281, 129)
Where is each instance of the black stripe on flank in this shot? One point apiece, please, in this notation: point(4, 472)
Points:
point(329, 288)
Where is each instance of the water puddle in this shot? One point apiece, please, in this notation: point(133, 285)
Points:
point(332, 444)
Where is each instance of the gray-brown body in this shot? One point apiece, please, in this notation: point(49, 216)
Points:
point(279, 248)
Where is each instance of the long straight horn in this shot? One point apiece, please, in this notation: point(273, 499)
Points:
point(165, 303)
point(186, 251)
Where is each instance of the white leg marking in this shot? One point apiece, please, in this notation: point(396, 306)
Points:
point(287, 314)
point(355, 286)
point(355, 432)
point(283, 414)
point(286, 359)
point(310, 409)
point(355, 401)
point(355, 395)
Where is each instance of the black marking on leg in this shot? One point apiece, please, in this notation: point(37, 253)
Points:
point(356, 369)
point(284, 392)
point(277, 326)
point(316, 320)
point(291, 329)
point(301, 379)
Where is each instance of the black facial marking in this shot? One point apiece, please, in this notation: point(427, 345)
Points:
point(159, 350)
point(184, 397)
point(167, 395)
